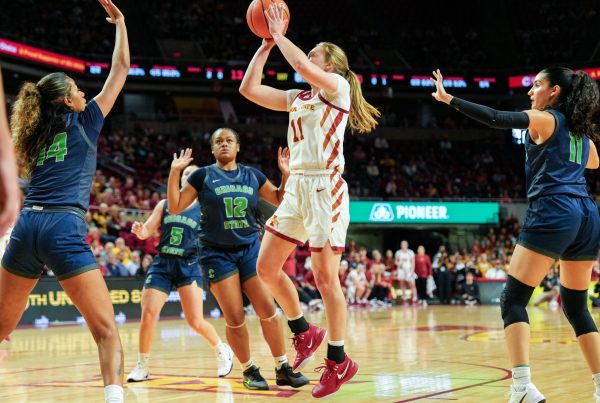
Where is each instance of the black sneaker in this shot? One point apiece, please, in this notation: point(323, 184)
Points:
point(253, 380)
point(286, 377)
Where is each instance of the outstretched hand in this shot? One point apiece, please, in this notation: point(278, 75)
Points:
point(114, 14)
point(283, 160)
point(277, 19)
point(440, 94)
point(184, 159)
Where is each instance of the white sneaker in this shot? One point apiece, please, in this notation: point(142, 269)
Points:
point(553, 305)
point(224, 360)
point(529, 394)
point(597, 396)
point(140, 373)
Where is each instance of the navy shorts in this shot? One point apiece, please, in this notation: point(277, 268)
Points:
point(52, 238)
point(562, 227)
point(219, 264)
point(168, 273)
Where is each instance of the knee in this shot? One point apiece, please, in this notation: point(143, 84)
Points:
point(104, 330)
point(149, 314)
point(265, 273)
point(197, 323)
point(327, 284)
point(575, 308)
point(514, 300)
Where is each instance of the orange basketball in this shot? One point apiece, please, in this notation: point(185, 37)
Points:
point(257, 20)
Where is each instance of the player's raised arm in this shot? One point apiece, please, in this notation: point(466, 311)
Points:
point(178, 199)
point(120, 60)
point(268, 191)
point(252, 87)
point(299, 61)
point(540, 123)
point(9, 185)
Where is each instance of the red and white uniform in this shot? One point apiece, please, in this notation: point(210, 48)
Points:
point(316, 206)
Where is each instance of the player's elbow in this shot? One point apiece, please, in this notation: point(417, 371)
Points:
point(246, 90)
point(301, 66)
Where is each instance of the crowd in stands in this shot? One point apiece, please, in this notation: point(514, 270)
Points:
point(409, 38)
point(377, 167)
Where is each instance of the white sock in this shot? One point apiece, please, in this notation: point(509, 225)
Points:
point(521, 376)
point(596, 378)
point(337, 343)
point(246, 365)
point(144, 358)
point(279, 361)
point(219, 346)
point(113, 394)
point(295, 317)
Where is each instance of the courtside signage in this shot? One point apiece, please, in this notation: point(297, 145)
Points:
point(364, 212)
point(41, 56)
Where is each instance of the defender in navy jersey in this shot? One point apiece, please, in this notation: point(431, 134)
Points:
point(175, 267)
point(562, 220)
point(55, 135)
point(228, 193)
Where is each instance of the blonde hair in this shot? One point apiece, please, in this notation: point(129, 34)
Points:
point(363, 115)
point(37, 114)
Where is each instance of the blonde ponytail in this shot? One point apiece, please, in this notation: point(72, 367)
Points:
point(363, 115)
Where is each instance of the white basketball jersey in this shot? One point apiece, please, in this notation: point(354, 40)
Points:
point(405, 258)
point(316, 127)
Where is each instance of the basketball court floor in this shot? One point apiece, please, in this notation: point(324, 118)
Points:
point(439, 353)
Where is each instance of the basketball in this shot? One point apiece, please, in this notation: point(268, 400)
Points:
point(257, 20)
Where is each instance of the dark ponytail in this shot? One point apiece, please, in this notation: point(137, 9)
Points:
point(579, 100)
point(38, 113)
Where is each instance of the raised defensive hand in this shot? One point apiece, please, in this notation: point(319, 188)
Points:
point(114, 14)
point(283, 160)
point(440, 94)
point(184, 159)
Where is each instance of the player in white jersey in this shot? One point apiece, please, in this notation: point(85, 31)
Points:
point(9, 184)
point(316, 204)
point(405, 270)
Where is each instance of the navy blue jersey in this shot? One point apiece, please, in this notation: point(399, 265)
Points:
point(179, 232)
point(557, 166)
point(66, 165)
point(229, 201)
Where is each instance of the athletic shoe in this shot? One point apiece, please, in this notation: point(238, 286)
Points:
point(306, 343)
point(286, 377)
point(553, 305)
point(253, 380)
point(140, 373)
point(526, 394)
point(597, 397)
point(334, 376)
point(224, 360)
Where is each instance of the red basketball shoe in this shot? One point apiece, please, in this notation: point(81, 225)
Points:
point(334, 376)
point(306, 343)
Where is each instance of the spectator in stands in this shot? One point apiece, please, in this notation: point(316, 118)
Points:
point(470, 291)
point(146, 263)
point(550, 290)
point(115, 267)
point(497, 272)
point(483, 265)
point(134, 263)
point(444, 285)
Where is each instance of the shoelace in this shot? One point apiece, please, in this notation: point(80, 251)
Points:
point(329, 368)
